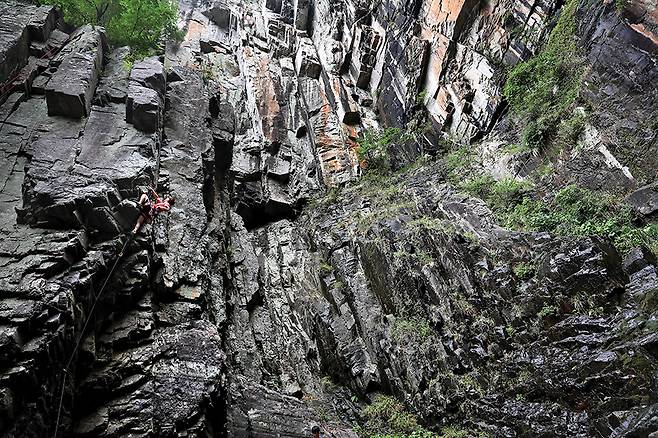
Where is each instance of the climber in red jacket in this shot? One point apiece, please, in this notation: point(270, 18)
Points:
point(148, 209)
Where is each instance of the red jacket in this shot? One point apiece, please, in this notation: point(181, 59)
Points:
point(159, 206)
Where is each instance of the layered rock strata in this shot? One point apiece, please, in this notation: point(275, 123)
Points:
point(259, 307)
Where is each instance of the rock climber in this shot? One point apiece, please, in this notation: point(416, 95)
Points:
point(148, 209)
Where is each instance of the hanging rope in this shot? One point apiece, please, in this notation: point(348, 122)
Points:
point(66, 370)
point(8, 87)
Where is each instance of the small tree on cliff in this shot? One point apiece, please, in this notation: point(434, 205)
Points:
point(136, 23)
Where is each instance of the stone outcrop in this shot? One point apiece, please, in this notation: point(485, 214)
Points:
point(71, 88)
point(20, 26)
point(280, 292)
point(168, 385)
point(145, 97)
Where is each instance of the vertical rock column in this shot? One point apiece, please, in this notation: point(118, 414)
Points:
point(20, 25)
point(146, 92)
point(161, 345)
point(181, 172)
point(71, 89)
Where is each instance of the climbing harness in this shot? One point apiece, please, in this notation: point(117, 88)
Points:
point(66, 370)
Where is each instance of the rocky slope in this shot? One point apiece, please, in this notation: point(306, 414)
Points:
point(269, 301)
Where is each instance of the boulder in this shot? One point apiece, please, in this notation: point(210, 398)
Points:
point(644, 200)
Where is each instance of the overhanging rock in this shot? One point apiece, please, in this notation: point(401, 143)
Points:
point(220, 14)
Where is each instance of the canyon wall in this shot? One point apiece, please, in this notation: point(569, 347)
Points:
point(269, 301)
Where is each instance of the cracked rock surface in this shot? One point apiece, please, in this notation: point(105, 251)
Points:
point(268, 301)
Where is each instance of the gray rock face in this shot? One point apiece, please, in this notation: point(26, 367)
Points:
point(144, 108)
point(166, 386)
point(258, 307)
point(20, 24)
point(113, 85)
point(70, 90)
point(145, 95)
point(79, 176)
point(108, 149)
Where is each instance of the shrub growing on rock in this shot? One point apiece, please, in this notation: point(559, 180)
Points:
point(542, 89)
point(374, 146)
point(575, 211)
point(501, 195)
point(387, 416)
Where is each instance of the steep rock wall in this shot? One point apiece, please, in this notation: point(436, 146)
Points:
point(258, 307)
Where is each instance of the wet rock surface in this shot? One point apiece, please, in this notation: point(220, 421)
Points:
point(267, 301)
point(20, 26)
point(71, 88)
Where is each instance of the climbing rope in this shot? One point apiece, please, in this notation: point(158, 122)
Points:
point(10, 84)
point(66, 370)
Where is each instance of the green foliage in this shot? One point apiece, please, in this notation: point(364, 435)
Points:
point(458, 159)
point(136, 23)
point(576, 211)
point(415, 329)
point(570, 130)
point(515, 148)
point(500, 195)
point(453, 432)
point(142, 23)
point(208, 72)
point(545, 170)
point(507, 192)
point(479, 186)
point(373, 148)
point(420, 99)
point(387, 417)
point(430, 223)
point(80, 12)
point(584, 304)
point(548, 310)
point(483, 323)
point(470, 384)
point(536, 132)
point(415, 434)
point(541, 89)
point(128, 63)
point(326, 268)
point(332, 195)
point(524, 270)
point(461, 305)
point(510, 330)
